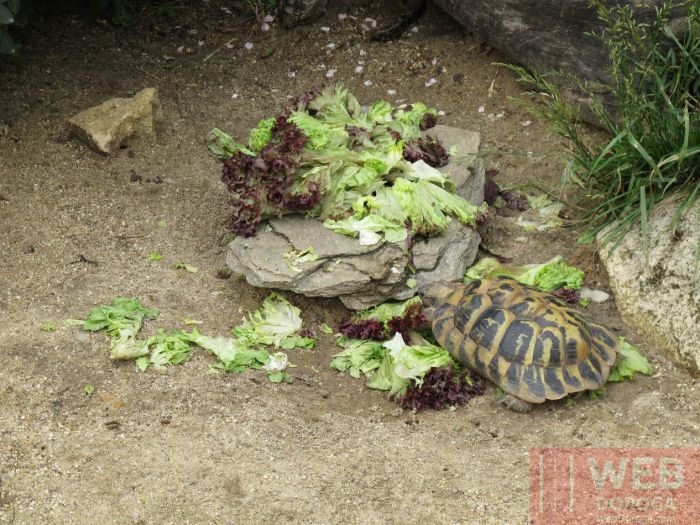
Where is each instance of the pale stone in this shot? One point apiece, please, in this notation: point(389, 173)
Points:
point(661, 297)
point(119, 120)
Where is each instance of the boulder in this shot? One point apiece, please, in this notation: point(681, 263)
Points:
point(117, 121)
point(364, 276)
point(661, 297)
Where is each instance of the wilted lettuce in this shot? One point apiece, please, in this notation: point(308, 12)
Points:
point(630, 363)
point(275, 320)
point(547, 276)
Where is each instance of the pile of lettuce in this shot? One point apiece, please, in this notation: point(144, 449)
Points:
point(365, 172)
point(276, 323)
point(397, 357)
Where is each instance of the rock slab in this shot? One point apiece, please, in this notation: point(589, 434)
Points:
point(117, 121)
point(661, 297)
point(364, 276)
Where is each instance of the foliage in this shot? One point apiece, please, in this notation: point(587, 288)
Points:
point(349, 166)
point(654, 146)
point(9, 10)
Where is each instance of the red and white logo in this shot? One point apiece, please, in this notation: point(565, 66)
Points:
point(614, 485)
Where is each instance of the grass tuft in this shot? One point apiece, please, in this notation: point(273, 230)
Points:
point(654, 147)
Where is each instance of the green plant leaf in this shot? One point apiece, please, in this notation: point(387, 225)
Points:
point(6, 16)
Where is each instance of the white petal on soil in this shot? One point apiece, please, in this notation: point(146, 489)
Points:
point(325, 29)
point(481, 109)
point(330, 73)
point(269, 19)
point(367, 83)
point(248, 45)
point(391, 92)
point(430, 82)
point(359, 69)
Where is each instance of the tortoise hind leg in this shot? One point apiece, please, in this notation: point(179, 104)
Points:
point(515, 404)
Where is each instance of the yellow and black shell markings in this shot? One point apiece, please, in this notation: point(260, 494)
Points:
point(528, 342)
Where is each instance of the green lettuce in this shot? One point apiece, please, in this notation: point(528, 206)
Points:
point(222, 145)
point(234, 355)
point(276, 319)
point(428, 205)
point(358, 357)
point(371, 223)
point(547, 276)
point(387, 311)
point(169, 349)
point(386, 378)
point(414, 361)
point(261, 135)
point(631, 362)
point(121, 320)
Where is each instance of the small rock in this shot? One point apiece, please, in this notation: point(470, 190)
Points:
point(112, 124)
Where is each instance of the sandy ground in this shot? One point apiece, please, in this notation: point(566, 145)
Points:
point(190, 446)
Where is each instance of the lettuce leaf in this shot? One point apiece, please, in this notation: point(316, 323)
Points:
point(233, 354)
point(358, 357)
point(169, 349)
point(261, 135)
point(222, 145)
point(631, 362)
point(547, 276)
point(385, 378)
point(276, 319)
point(371, 223)
point(414, 361)
point(387, 311)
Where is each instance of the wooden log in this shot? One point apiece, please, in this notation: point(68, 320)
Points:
point(546, 35)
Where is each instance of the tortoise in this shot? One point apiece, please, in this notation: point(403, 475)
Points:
point(528, 342)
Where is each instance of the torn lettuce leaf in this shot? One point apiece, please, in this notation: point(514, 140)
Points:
point(123, 314)
point(386, 378)
point(358, 357)
point(387, 311)
point(414, 361)
point(631, 362)
point(222, 145)
point(261, 134)
point(371, 223)
point(276, 319)
point(169, 349)
point(547, 276)
point(297, 341)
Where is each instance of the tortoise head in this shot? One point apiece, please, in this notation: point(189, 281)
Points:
point(432, 294)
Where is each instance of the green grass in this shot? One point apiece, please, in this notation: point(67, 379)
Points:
point(653, 151)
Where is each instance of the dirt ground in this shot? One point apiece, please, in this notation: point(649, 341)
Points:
point(188, 446)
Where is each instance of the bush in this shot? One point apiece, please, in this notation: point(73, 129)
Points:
point(654, 146)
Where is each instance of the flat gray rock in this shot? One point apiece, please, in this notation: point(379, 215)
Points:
point(661, 298)
point(364, 276)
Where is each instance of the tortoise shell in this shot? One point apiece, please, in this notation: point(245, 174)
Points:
point(528, 342)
